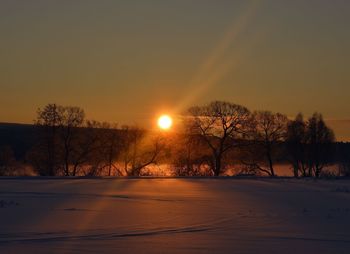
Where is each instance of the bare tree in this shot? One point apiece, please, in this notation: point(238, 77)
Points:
point(58, 130)
point(86, 157)
point(48, 119)
point(72, 146)
point(131, 138)
point(266, 131)
point(296, 145)
point(310, 145)
point(139, 150)
point(189, 154)
point(71, 119)
point(320, 140)
point(111, 146)
point(219, 123)
point(148, 157)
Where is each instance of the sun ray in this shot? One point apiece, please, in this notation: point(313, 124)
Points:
point(214, 68)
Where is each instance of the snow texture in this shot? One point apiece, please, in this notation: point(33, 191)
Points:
point(174, 215)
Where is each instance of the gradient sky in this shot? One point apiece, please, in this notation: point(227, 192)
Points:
point(128, 61)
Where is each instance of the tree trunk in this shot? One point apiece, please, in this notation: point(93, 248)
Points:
point(109, 169)
point(296, 171)
point(270, 163)
point(217, 169)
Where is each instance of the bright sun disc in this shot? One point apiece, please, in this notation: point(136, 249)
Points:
point(165, 122)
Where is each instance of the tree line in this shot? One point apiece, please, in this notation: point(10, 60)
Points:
point(212, 139)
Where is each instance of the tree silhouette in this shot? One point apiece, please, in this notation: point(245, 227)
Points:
point(320, 140)
point(70, 145)
point(138, 150)
point(85, 149)
point(219, 123)
point(190, 153)
point(266, 131)
point(71, 119)
point(58, 130)
point(48, 119)
point(296, 145)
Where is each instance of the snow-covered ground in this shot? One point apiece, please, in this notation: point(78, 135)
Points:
point(174, 215)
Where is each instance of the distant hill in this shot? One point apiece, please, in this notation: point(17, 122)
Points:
point(20, 137)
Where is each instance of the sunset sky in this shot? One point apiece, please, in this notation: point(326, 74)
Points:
point(129, 61)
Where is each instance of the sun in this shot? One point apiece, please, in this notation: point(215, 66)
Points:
point(165, 122)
